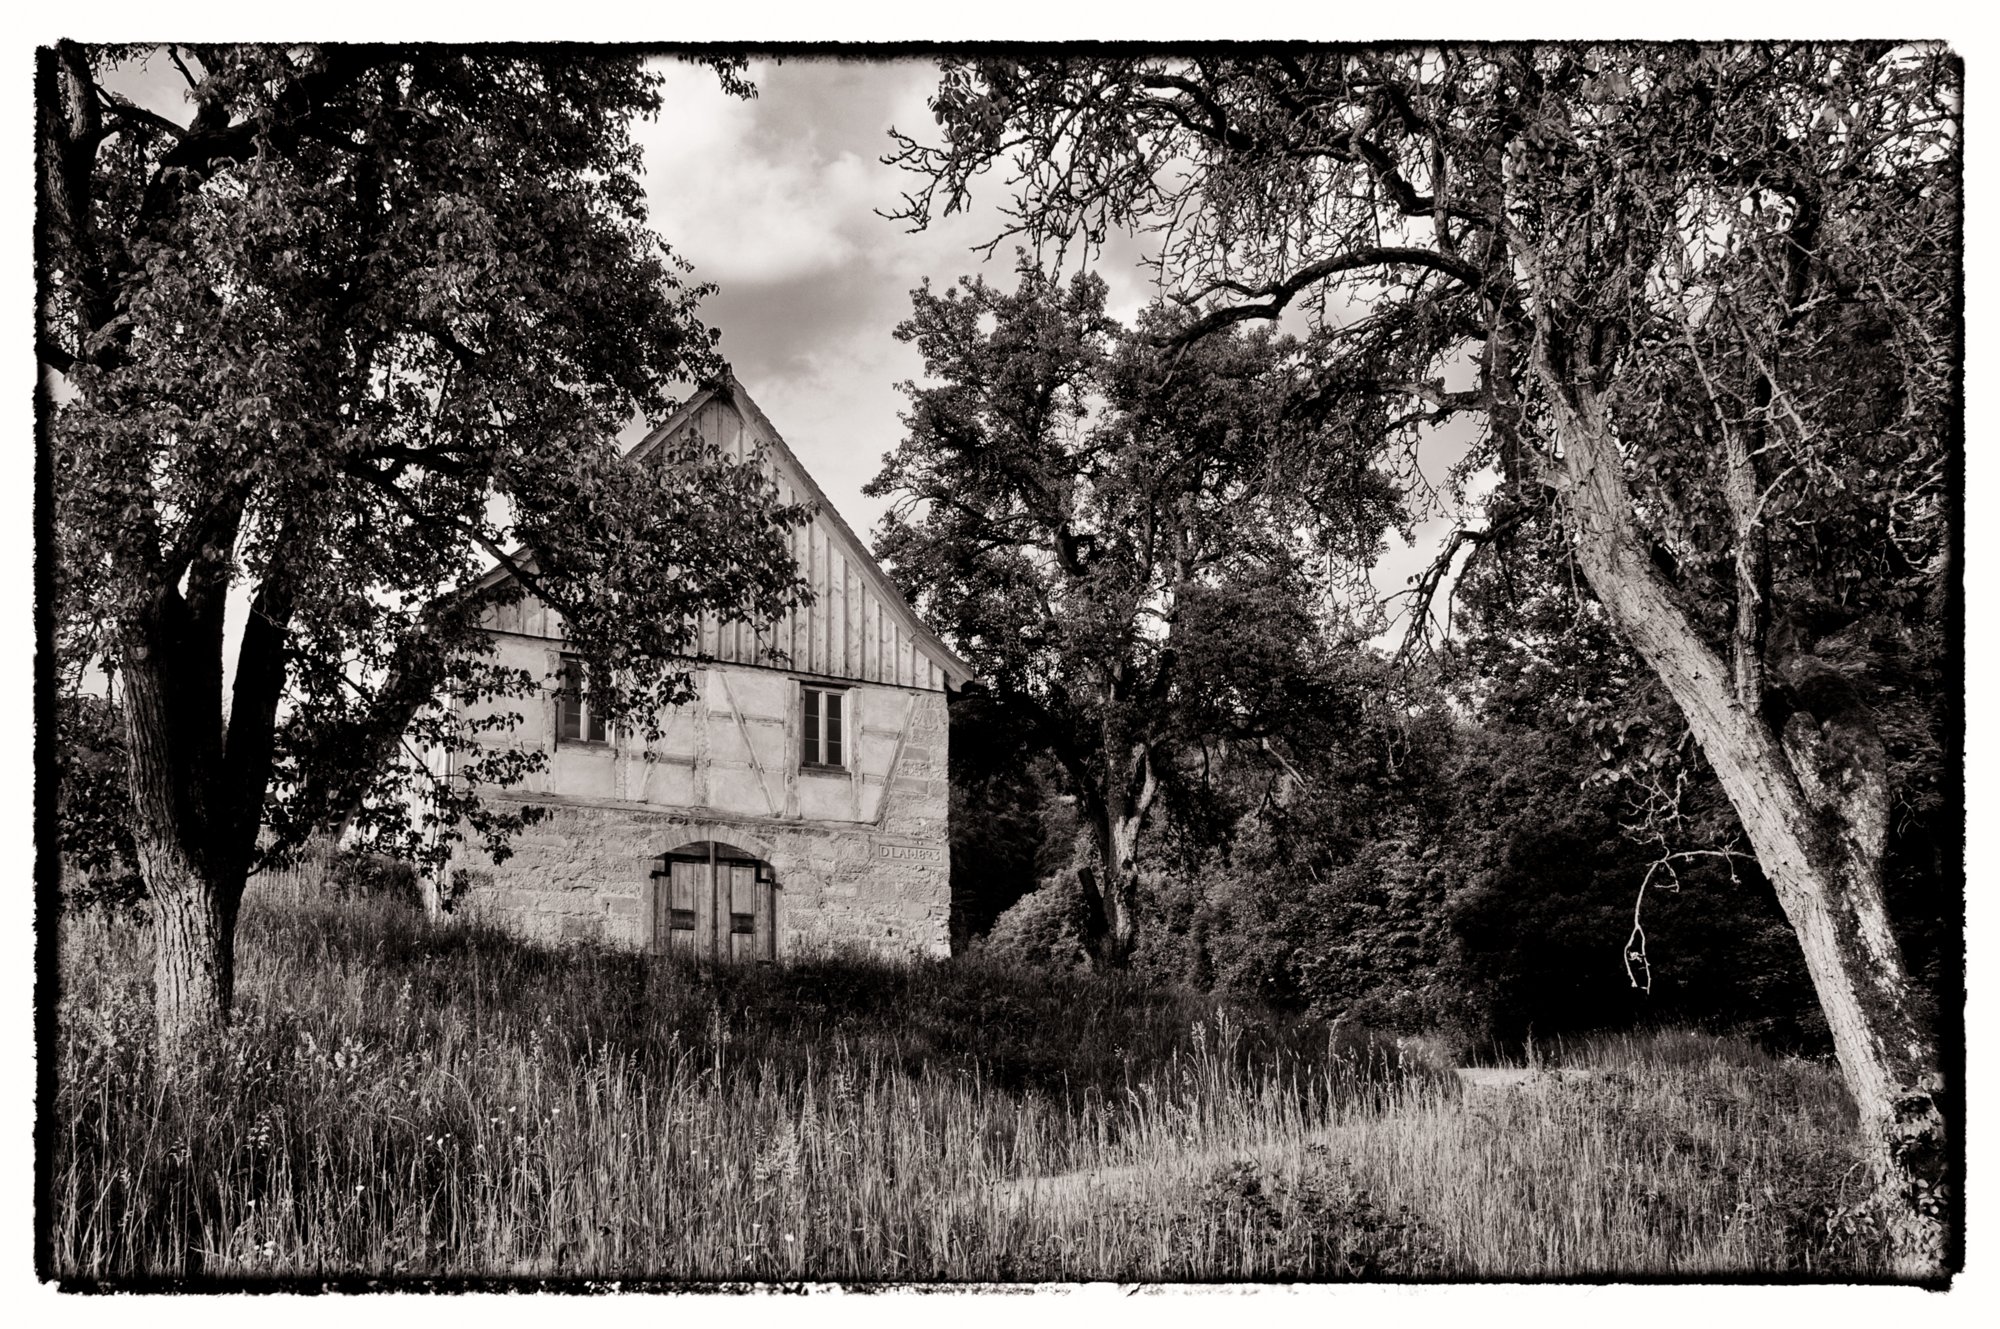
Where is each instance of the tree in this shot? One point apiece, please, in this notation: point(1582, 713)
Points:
point(93, 808)
point(1112, 538)
point(1322, 892)
point(365, 319)
point(1702, 300)
point(1009, 828)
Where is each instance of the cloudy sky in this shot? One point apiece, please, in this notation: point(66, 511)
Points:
point(776, 201)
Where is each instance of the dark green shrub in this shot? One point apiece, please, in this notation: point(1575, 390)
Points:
point(1043, 929)
point(93, 810)
point(1319, 1224)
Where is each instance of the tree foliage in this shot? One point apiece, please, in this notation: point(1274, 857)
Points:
point(1010, 828)
point(1115, 538)
point(1760, 240)
point(94, 808)
point(362, 322)
point(1703, 303)
point(369, 320)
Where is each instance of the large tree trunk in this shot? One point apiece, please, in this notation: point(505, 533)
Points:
point(173, 750)
point(194, 962)
point(1111, 892)
point(1814, 802)
point(197, 794)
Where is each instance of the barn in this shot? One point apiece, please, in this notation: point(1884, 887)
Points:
point(785, 809)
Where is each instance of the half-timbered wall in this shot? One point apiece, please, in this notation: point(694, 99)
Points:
point(860, 854)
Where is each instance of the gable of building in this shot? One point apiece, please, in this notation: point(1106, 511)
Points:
point(857, 628)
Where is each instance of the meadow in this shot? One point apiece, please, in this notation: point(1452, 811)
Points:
point(401, 1101)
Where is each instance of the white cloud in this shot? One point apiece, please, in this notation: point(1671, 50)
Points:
point(776, 201)
point(739, 207)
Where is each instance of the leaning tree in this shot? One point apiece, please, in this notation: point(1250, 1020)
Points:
point(1700, 302)
point(355, 323)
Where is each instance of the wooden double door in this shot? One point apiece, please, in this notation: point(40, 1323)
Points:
point(715, 902)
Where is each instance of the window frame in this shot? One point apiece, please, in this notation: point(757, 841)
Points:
point(842, 717)
point(574, 672)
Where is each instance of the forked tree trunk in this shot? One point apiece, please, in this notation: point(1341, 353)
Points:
point(195, 807)
point(1116, 888)
point(1814, 802)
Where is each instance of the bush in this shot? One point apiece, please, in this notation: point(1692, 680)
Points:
point(94, 810)
point(1538, 936)
point(1319, 1224)
point(1044, 929)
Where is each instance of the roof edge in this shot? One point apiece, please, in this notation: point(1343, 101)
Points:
point(956, 668)
point(729, 387)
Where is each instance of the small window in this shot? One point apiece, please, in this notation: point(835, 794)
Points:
point(823, 727)
point(578, 719)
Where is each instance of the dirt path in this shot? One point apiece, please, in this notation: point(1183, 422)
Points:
point(1091, 1186)
point(1495, 1079)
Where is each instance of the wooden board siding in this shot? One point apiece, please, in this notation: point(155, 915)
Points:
point(851, 630)
point(857, 627)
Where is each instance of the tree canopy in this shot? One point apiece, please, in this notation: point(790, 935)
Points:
point(1699, 302)
point(1116, 536)
point(363, 322)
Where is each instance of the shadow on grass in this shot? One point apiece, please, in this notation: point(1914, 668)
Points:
point(1070, 1036)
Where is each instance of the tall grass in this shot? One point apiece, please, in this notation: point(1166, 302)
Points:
point(403, 1100)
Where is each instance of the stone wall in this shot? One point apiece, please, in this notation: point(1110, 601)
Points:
point(880, 884)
